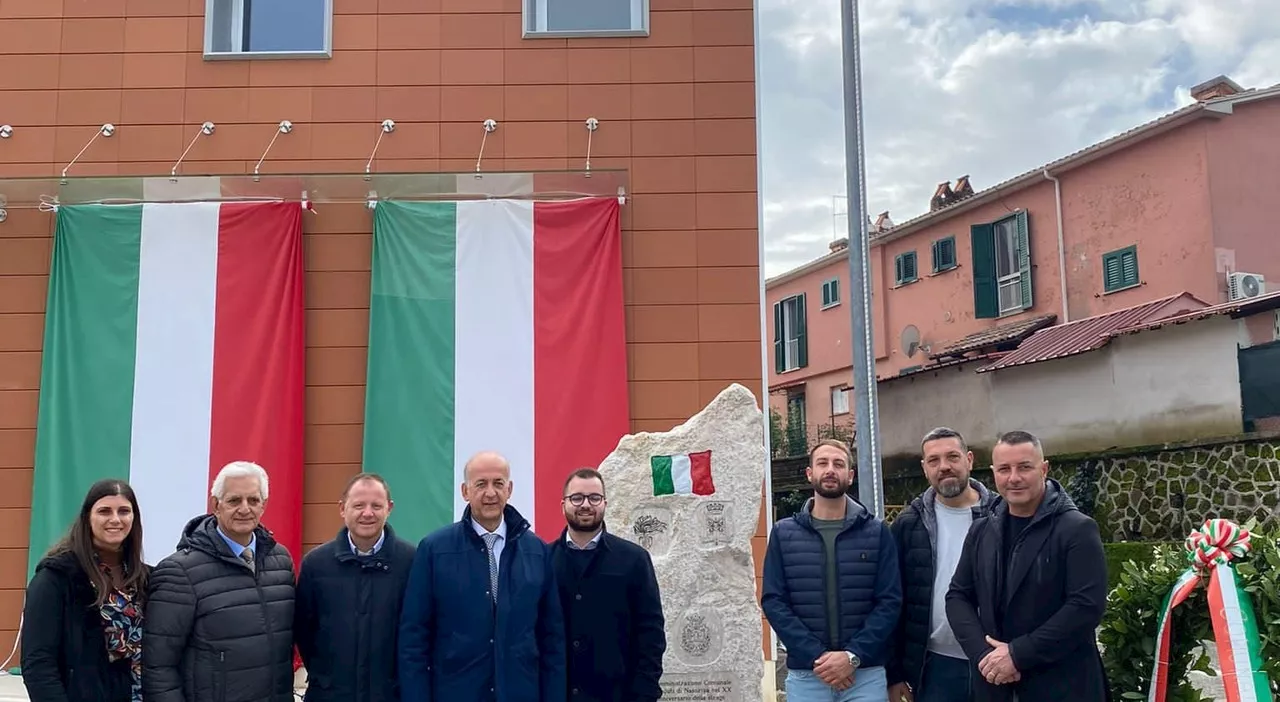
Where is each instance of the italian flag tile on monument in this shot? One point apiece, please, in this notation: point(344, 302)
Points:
point(682, 474)
point(173, 344)
point(493, 325)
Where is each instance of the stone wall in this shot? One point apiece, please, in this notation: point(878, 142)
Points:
point(1165, 493)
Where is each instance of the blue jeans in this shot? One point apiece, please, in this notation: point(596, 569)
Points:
point(869, 685)
point(945, 679)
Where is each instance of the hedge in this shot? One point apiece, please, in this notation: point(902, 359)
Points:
point(1141, 553)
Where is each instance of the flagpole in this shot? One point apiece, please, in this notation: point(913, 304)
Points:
point(870, 472)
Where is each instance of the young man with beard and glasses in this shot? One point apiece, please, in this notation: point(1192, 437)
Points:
point(1031, 587)
point(614, 625)
point(832, 590)
point(928, 664)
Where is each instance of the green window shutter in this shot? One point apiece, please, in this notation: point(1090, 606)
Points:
point(1024, 260)
point(905, 267)
point(1129, 266)
point(802, 336)
point(1120, 269)
point(944, 254)
point(830, 292)
point(779, 342)
point(986, 301)
point(1111, 272)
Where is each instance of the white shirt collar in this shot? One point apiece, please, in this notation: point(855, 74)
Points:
point(376, 546)
point(595, 540)
point(501, 531)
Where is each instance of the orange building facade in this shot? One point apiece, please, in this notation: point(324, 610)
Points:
point(669, 83)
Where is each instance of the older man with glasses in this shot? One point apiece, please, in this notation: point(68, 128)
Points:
point(614, 627)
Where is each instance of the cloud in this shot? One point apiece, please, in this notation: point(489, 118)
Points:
point(989, 88)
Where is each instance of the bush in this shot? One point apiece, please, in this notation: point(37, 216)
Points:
point(1133, 612)
point(1141, 553)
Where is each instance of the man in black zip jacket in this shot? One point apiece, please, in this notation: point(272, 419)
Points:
point(614, 624)
point(348, 601)
point(928, 664)
point(220, 609)
point(1031, 587)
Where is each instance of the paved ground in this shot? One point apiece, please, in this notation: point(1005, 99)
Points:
point(1209, 685)
point(12, 689)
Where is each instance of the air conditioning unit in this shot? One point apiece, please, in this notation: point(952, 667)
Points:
point(1242, 286)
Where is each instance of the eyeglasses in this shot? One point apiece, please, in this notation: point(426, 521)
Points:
point(577, 498)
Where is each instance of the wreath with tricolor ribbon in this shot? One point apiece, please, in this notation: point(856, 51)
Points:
point(1211, 551)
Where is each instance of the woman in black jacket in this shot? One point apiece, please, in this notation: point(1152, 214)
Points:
point(82, 621)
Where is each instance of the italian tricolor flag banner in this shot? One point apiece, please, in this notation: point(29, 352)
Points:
point(493, 325)
point(173, 345)
point(1211, 550)
point(682, 474)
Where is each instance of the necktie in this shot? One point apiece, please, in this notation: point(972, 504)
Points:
point(247, 556)
point(489, 540)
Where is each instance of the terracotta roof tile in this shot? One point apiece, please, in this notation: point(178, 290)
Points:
point(1011, 332)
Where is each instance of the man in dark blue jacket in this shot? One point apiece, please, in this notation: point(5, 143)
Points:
point(348, 599)
point(481, 620)
point(613, 610)
point(832, 589)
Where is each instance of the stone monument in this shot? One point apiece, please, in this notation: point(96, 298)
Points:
point(691, 497)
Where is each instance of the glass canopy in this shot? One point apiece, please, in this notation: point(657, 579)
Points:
point(314, 188)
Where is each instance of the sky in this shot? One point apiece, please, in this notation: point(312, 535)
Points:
point(987, 88)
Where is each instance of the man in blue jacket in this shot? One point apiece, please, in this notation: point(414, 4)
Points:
point(832, 589)
point(481, 619)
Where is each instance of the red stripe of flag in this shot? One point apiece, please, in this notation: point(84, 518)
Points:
point(258, 356)
point(581, 406)
point(700, 473)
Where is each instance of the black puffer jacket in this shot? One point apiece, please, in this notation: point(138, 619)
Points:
point(64, 647)
point(916, 533)
point(216, 630)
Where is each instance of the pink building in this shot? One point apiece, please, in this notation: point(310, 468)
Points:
point(1178, 204)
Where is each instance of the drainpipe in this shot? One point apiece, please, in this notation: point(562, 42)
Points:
point(1062, 251)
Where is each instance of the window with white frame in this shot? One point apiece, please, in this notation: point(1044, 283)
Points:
point(831, 293)
point(586, 18)
point(1002, 270)
point(839, 400)
point(1008, 274)
point(268, 28)
point(790, 343)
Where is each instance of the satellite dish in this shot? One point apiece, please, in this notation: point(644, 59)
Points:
point(910, 340)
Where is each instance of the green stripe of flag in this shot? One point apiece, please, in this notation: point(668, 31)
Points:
point(89, 344)
point(663, 483)
point(409, 407)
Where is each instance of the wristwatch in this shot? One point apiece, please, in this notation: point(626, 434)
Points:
point(853, 659)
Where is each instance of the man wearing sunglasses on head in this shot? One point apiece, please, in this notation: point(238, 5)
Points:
point(614, 627)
